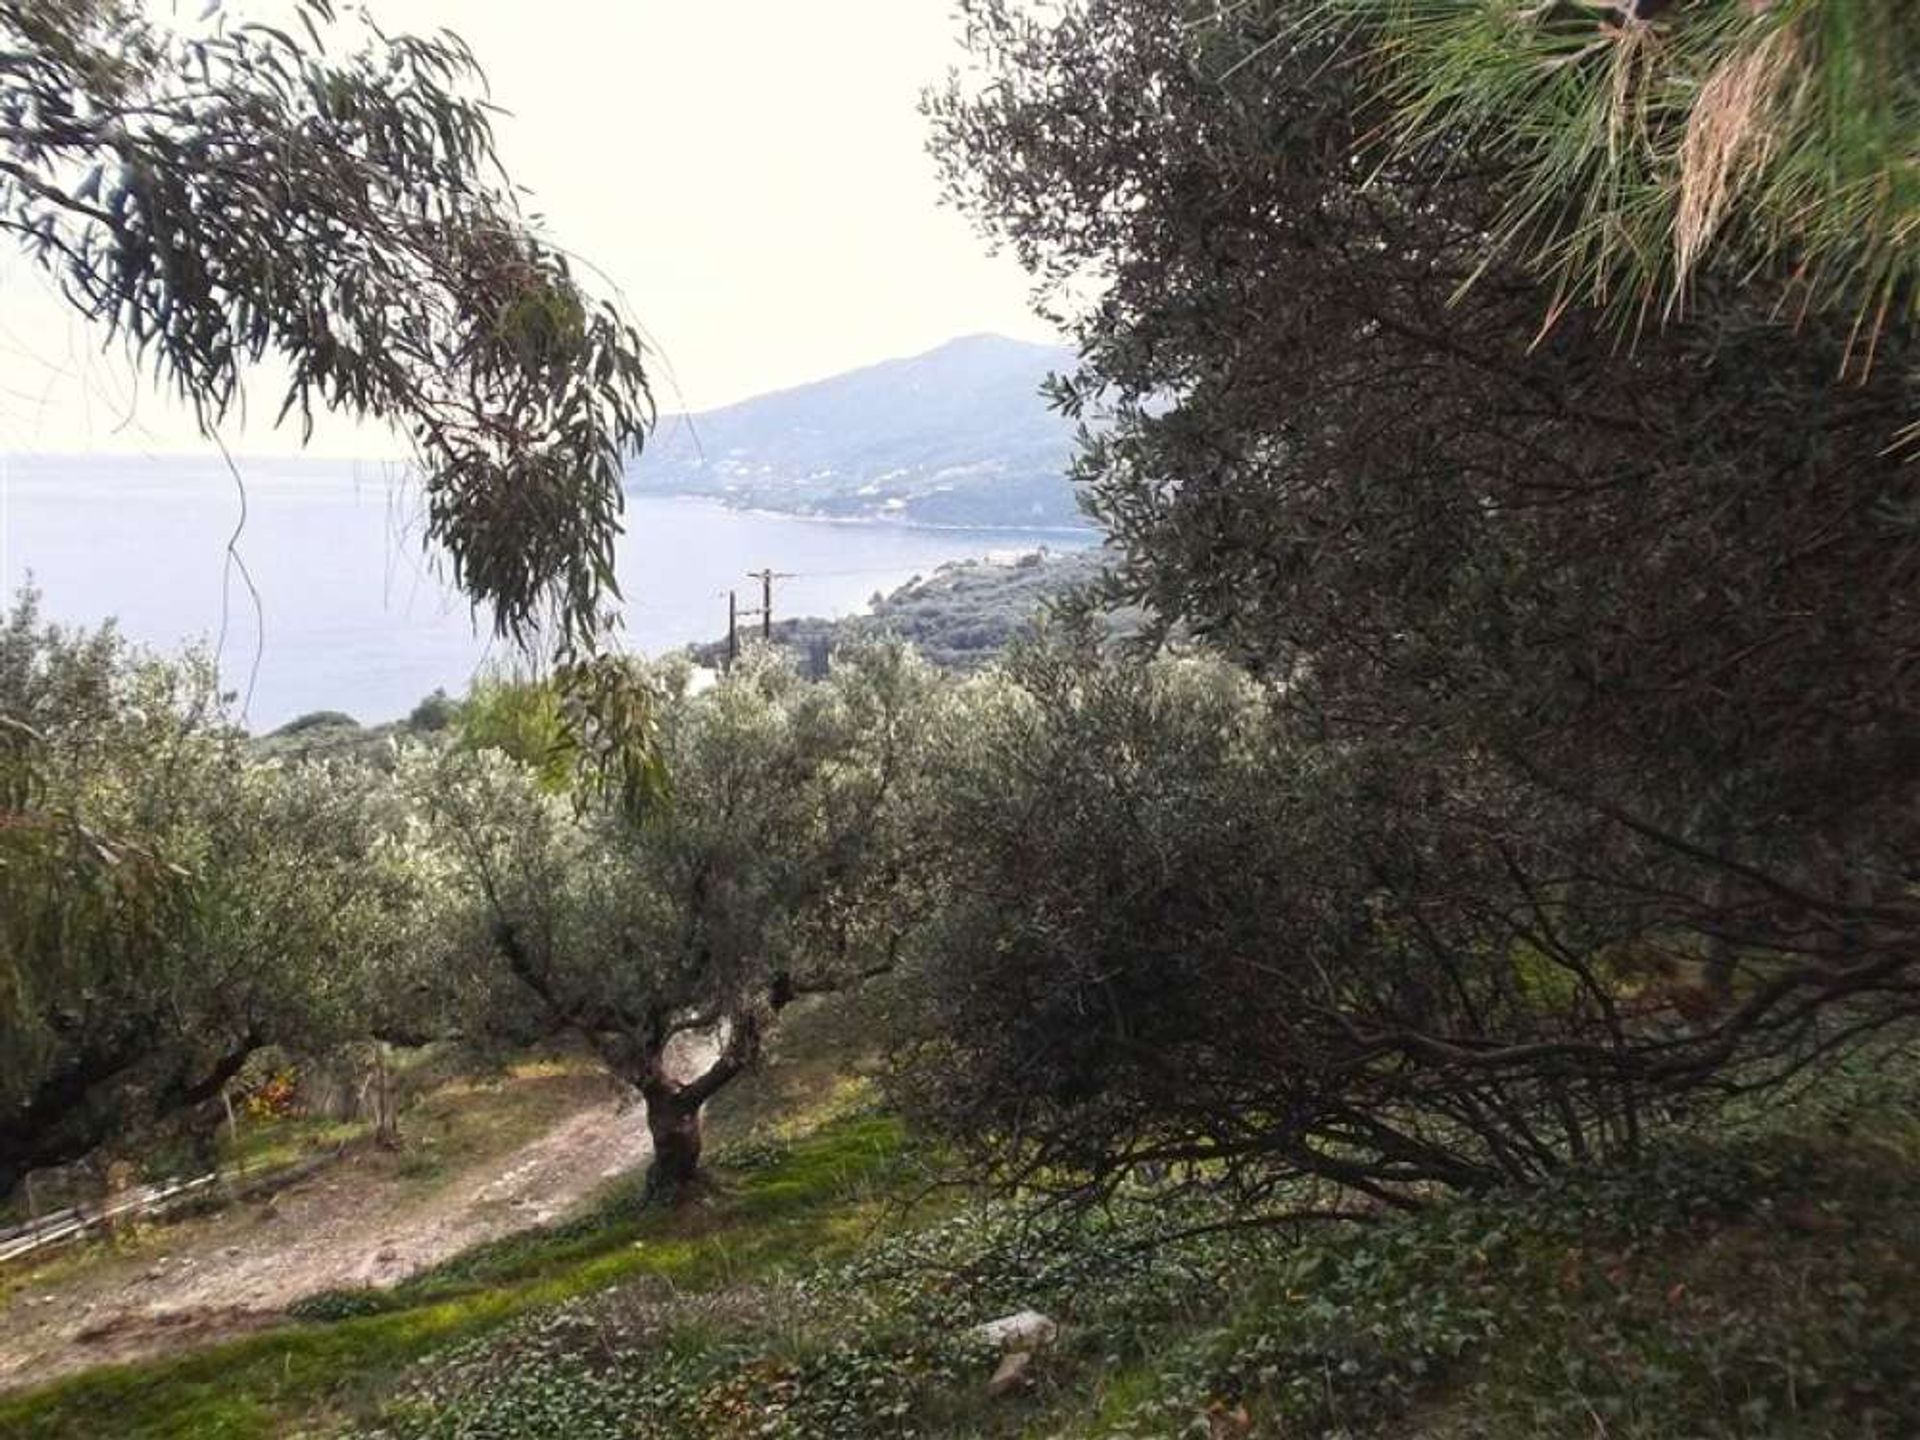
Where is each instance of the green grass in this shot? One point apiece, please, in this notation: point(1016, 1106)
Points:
point(268, 1145)
point(1763, 1282)
point(1764, 1286)
point(265, 1385)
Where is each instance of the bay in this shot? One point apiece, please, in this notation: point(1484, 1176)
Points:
point(352, 613)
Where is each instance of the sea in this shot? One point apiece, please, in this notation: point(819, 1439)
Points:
point(310, 581)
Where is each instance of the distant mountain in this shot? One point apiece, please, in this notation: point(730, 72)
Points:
point(957, 436)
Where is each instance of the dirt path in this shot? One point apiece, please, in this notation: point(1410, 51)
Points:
point(368, 1219)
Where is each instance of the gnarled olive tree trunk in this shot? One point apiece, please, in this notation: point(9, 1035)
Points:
point(675, 1107)
point(675, 1126)
point(634, 1045)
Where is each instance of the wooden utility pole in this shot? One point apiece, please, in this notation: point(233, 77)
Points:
point(733, 628)
point(766, 578)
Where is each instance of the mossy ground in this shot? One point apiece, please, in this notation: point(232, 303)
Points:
point(1761, 1284)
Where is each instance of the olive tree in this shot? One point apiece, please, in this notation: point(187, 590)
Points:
point(168, 905)
point(1613, 641)
point(1176, 934)
point(778, 864)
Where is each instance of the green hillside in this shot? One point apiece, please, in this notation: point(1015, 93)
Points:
point(1760, 1282)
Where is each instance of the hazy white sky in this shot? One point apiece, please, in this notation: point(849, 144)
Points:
point(752, 176)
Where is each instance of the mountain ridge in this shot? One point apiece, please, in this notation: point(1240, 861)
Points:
point(959, 435)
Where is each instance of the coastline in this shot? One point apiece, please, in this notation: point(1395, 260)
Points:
point(1088, 535)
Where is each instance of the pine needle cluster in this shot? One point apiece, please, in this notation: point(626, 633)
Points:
point(1655, 147)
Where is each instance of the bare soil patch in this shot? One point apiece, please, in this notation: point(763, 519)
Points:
point(481, 1162)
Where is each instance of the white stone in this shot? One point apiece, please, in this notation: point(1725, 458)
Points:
point(1027, 1330)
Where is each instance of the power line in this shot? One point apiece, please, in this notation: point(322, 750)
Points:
point(735, 614)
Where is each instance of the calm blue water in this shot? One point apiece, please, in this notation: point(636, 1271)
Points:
point(355, 616)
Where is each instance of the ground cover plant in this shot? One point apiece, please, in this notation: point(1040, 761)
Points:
point(1766, 1286)
point(1755, 1282)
